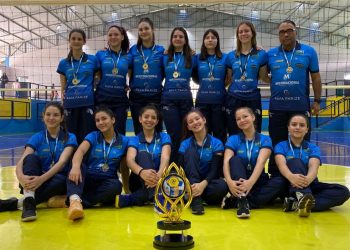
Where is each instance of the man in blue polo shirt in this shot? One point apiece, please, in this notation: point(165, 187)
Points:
point(290, 65)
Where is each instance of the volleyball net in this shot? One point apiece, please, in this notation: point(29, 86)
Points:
point(33, 38)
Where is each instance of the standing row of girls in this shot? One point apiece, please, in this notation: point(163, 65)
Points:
point(147, 65)
point(45, 173)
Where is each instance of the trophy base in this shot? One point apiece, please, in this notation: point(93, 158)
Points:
point(173, 240)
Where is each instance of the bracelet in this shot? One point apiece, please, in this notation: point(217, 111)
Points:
point(318, 100)
point(139, 174)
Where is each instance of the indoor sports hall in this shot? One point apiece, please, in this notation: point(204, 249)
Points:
point(34, 38)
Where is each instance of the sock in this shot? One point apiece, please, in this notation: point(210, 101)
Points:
point(20, 203)
point(28, 193)
point(299, 195)
point(74, 197)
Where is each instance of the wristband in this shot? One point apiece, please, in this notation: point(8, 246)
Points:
point(318, 100)
point(139, 174)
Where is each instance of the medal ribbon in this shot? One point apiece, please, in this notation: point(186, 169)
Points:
point(211, 66)
point(52, 153)
point(249, 150)
point(244, 68)
point(145, 59)
point(75, 72)
point(105, 155)
point(285, 57)
point(176, 63)
point(113, 57)
point(291, 148)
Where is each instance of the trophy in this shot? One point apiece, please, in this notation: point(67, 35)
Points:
point(173, 186)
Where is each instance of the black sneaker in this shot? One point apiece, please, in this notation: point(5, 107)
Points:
point(8, 204)
point(29, 209)
point(228, 202)
point(197, 206)
point(290, 204)
point(243, 208)
point(305, 204)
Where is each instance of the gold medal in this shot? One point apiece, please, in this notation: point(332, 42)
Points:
point(75, 81)
point(114, 71)
point(289, 69)
point(176, 74)
point(212, 78)
point(105, 167)
point(243, 77)
point(52, 164)
point(145, 66)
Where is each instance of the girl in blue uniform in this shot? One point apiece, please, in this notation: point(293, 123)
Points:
point(41, 171)
point(115, 62)
point(244, 160)
point(247, 65)
point(147, 157)
point(298, 161)
point(211, 70)
point(77, 73)
point(201, 157)
point(177, 96)
point(146, 74)
point(93, 178)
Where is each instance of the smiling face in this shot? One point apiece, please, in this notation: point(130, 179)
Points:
point(195, 122)
point(245, 33)
point(244, 119)
point(178, 39)
point(148, 119)
point(115, 37)
point(104, 122)
point(52, 117)
point(298, 127)
point(145, 31)
point(76, 41)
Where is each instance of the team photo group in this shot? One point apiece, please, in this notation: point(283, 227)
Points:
point(83, 158)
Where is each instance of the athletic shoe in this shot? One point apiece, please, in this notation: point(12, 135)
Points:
point(75, 210)
point(58, 201)
point(8, 204)
point(228, 202)
point(197, 206)
point(243, 208)
point(29, 209)
point(122, 200)
point(305, 204)
point(290, 204)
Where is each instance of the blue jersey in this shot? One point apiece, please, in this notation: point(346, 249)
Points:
point(114, 69)
point(177, 87)
point(290, 90)
point(247, 65)
point(99, 155)
point(154, 148)
point(147, 81)
point(305, 152)
point(47, 149)
point(237, 143)
point(80, 94)
point(211, 147)
point(211, 73)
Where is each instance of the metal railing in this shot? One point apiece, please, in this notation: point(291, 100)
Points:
point(9, 109)
point(333, 110)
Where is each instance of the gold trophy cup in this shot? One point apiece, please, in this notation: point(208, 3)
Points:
point(173, 186)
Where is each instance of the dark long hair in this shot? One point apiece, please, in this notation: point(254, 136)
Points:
point(204, 53)
point(145, 20)
point(153, 107)
point(82, 33)
point(125, 45)
point(253, 40)
point(186, 49)
point(186, 133)
point(63, 124)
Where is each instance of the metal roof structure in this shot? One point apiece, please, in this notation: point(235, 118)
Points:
point(25, 28)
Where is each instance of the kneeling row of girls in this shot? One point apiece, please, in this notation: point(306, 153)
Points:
point(232, 176)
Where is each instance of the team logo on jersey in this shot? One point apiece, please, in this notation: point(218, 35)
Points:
point(286, 77)
point(299, 52)
point(286, 92)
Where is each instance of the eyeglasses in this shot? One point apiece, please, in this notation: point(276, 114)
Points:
point(288, 31)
